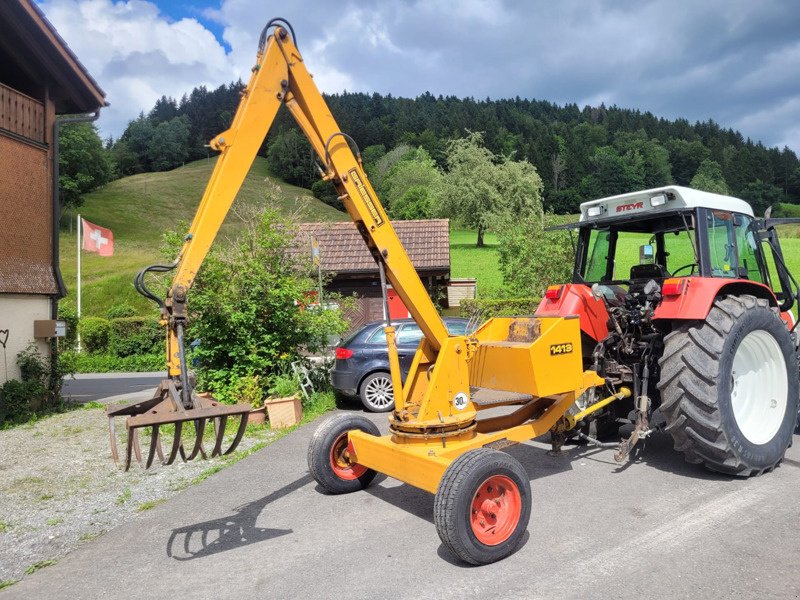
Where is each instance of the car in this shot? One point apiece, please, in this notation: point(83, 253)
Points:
point(361, 368)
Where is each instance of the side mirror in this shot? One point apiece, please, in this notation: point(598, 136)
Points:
point(646, 254)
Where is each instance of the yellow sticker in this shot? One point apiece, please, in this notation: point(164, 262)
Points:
point(366, 197)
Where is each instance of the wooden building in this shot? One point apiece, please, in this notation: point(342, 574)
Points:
point(345, 257)
point(40, 78)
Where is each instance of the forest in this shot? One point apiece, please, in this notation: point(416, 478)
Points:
point(579, 153)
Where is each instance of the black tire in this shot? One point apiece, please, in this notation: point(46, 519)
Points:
point(320, 461)
point(380, 401)
point(696, 387)
point(452, 505)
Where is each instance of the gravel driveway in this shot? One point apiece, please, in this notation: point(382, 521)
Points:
point(59, 487)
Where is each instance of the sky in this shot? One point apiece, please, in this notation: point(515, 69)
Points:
point(734, 61)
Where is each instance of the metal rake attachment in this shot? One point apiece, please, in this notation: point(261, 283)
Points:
point(166, 408)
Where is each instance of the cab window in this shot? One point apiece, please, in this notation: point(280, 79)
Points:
point(747, 246)
point(722, 244)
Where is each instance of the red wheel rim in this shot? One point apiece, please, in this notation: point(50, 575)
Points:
point(495, 510)
point(340, 460)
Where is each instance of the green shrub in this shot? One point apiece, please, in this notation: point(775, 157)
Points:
point(109, 363)
point(94, 333)
point(249, 390)
point(283, 386)
point(19, 400)
point(502, 307)
point(39, 390)
point(130, 336)
point(120, 311)
point(32, 365)
point(247, 310)
point(68, 313)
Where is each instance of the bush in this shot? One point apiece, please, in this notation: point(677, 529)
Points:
point(21, 399)
point(283, 386)
point(94, 333)
point(249, 390)
point(70, 315)
point(130, 336)
point(504, 307)
point(531, 258)
point(247, 309)
point(39, 390)
point(109, 363)
point(120, 311)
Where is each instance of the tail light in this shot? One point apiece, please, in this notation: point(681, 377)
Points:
point(343, 353)
point(554, 292)
point(672, 287)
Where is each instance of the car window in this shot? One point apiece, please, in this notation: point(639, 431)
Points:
point(409, 334)
point(457, 328)
point(378, 337)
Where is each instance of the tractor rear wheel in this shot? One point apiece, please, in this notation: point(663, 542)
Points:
point(329, 459)
point(729, 387)
point(482, 506)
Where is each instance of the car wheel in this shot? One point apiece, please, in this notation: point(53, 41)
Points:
point(376, 392)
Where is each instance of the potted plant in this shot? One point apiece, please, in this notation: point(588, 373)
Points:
point(284, 407)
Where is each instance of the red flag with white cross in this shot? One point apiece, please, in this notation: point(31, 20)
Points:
point(97, 239)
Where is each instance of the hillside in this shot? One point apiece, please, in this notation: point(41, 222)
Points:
point(140, 208)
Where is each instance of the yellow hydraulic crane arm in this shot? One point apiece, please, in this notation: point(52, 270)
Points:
point(280, 77)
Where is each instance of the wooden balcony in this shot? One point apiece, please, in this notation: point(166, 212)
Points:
point(21, 115)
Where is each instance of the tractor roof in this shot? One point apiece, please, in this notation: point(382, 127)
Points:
point(657, 200)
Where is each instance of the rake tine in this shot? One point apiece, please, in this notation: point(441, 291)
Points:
point(128, 451)
point(219, 425)
point(176, 443)
point(154, 445)
point(199, 428)
point(137, 449)
point(112, 433)
point(239, 435)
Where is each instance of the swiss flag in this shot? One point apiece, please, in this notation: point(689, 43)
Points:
point(97, 239)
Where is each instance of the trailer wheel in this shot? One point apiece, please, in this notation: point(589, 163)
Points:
point(729, 387)
point(329, 458)
point(482, 506)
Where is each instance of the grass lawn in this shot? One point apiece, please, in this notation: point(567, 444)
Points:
point(469, 261)
point(140, 208)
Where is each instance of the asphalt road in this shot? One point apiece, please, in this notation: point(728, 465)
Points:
point(654, 528)
point(97, 386)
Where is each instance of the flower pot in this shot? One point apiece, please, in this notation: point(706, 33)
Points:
point(284, 412)
point(257, 416)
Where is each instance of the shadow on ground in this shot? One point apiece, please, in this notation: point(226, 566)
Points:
point(227, 533)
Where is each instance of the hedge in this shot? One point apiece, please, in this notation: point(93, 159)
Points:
point(502, 307)
point(108, 363)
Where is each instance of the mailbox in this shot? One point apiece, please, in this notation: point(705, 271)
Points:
point(49, 329)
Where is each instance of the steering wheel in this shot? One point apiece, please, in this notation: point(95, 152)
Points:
point(689, 266)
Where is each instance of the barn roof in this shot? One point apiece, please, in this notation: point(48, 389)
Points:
point(342, 250)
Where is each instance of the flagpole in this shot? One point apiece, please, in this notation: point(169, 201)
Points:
point(79, 281)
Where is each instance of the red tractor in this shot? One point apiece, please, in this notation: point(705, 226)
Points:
point(684, 296)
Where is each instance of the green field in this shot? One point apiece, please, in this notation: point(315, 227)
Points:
point(140, 208)
point(469, 261)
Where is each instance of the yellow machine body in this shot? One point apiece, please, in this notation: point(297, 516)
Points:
point(536, 361)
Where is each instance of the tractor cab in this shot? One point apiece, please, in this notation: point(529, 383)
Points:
point(676, 249)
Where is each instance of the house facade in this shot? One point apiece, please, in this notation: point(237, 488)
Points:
point(40, 79)
point(351, 270)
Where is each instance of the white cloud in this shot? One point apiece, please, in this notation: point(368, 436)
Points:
point(728, 60)
point(136, 54)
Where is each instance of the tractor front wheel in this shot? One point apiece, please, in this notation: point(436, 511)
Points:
point(729, 387)
point(329, 455)
point(482, 506)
